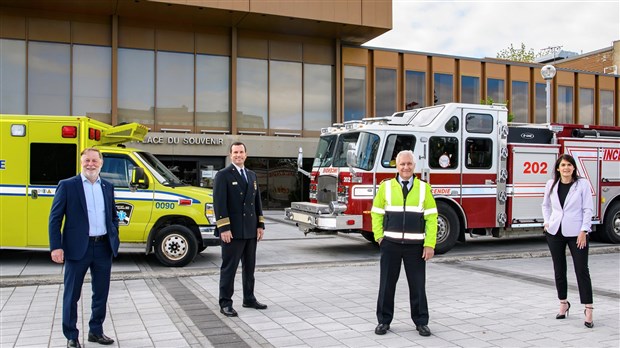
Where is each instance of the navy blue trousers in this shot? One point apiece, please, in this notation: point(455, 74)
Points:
point(98, 258)
point(392, 256)
point(243, 250)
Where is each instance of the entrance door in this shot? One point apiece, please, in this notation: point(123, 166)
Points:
point(52, 158)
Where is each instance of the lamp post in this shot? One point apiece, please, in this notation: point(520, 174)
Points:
point(548, 72)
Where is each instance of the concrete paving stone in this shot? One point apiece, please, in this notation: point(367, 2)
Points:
point(320, 320)
point(133, 335)
point(487, 335)
point(509, 342)
point(345, 333)
point(29, 332)
point(333, 326)
point(166, 336)
point(131, 327)
point(308, 333)
point(303, 325)
point(35, 341)
point(501, 328)
point(358, 342)
point(136, 343)
point(465, 327)
point(472, 342)
point(323, 341)
point(286, 341)
point(266, 325)
point(272, 333)
point(391, 340)
point(171, 344)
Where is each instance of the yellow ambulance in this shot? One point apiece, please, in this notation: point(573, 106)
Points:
point(156, 210)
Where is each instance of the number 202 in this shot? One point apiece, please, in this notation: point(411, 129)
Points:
point(535, 168)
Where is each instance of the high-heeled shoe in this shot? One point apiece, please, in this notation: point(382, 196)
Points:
point(563, 316)
point(589, 324)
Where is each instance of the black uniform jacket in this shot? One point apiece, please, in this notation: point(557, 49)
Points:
point(237, 204)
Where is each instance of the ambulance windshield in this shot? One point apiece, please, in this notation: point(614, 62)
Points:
point(332, 150)
point(159, 170)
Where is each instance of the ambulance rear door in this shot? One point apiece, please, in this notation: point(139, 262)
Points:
point(54, 155)
point(13, 171)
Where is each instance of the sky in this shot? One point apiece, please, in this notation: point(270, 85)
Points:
point(479, 29)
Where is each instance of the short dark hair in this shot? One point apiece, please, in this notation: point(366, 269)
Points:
point(92, 149)
point(237, 143)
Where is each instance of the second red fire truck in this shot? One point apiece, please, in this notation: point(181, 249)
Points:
point(488, 176)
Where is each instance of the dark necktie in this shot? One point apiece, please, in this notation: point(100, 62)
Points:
point(405, 188)
point(243, 176)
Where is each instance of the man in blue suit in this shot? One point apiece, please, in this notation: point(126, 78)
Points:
point(89, 239)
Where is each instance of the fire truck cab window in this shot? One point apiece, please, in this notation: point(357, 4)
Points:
point(479, 153)
point(340, 158)
point(367, 149)
point(452, 126)
point(396, 143)
point(443, 152)
point(479, 123)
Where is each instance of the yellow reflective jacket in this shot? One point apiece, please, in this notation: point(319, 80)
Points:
point(410, 222)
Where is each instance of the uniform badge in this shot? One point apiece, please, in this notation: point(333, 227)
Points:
point(234, 183)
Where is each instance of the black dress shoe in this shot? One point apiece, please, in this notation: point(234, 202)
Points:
point(101, 339)
point(73, 344)
point(255, 305)
point(228, 311)
point(381, 329)
point(423, 330)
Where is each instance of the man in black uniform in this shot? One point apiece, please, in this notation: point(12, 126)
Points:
point(240, 225)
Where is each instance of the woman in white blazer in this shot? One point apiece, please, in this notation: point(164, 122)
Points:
point(567, 209)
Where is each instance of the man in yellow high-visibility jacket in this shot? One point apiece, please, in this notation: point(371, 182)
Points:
point(404, 222)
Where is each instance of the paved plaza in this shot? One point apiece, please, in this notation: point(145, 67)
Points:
point(496, 302)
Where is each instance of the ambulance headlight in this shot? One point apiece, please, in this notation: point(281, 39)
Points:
point(18, 130)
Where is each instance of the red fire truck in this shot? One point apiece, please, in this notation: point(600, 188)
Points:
point(488, 176)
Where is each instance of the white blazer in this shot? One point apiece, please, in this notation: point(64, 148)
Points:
point(576, 216)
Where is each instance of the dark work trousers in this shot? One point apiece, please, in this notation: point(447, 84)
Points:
point(557, 246)
point(98, 258)
point(392, 255)
point(243, 250)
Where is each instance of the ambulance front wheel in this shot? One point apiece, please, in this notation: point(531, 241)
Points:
point(175, 246)
point(448, 228)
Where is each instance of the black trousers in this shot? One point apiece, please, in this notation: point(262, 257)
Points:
point(243, 250)
point(392, 256)
point(557, 246)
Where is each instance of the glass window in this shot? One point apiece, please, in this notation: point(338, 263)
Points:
point(117, 169)
point(443, 152)
point(285, 95)
point(252, 93)
point(212, 91)
point(396, 143)
point(367, 147)
point(479, 153)
point(175, 89)
point(12, 76)
point(495, 90)
point(479, 123)
point(325, 151)
point(443, 88)
point(470, 89)
point(586, 106)
point(565, 105)
point(136, 83)
point(92, 83)
point(354, 92)
point(415, 90)
point(541, 103)
point(385, 92)
point(606, 116)
point(519, 102)
point(48, 78)
point(50, 163)
point(318, 96)
point(340, 157)
point(452, 125)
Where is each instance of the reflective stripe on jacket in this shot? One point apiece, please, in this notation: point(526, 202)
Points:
point(410, 222)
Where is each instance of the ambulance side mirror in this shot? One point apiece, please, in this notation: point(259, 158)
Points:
point(139, 178)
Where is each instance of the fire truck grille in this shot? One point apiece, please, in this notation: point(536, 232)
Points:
point(327, 189)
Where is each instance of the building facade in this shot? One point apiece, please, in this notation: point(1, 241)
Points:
point(271, 73)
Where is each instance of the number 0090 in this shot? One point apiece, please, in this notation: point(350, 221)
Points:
point(535, 168)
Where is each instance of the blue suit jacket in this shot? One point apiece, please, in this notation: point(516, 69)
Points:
point(70, 204)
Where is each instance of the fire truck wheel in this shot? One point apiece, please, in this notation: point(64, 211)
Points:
point(175, 246)
point(448, 228)
point(370, 237)
point(610, 230)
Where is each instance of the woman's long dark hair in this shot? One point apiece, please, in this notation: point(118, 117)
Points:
point(556, 173)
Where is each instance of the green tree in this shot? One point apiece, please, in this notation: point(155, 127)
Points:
point(517, 54)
